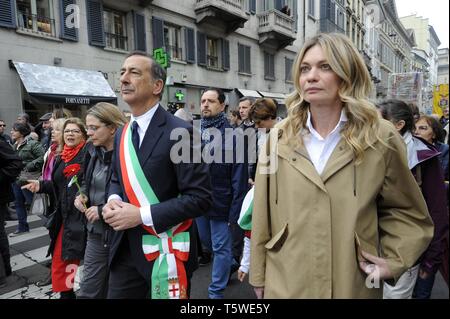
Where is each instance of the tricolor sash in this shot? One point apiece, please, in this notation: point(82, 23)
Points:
point(169, 249)
point(245, 217)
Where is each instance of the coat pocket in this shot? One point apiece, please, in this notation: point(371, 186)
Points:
point(361, 244)
point(278, 240)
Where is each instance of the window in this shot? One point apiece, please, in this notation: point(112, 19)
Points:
point(36, 16)
point(212, 52)
point(244, 59)
point(269, 66)
point(173, 41)
point(311, 7)
point(115, 29)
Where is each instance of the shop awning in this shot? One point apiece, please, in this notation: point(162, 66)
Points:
point(249, 93)
point(279, 97)
point(47, 84)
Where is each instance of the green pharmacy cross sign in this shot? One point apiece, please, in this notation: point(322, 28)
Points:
point(179, 95)
point(161, 57)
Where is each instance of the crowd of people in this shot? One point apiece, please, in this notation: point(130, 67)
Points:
point(344, 190)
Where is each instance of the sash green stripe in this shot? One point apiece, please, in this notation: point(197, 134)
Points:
point(246, 220)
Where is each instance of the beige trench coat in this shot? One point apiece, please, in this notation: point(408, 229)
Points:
point(307, 227)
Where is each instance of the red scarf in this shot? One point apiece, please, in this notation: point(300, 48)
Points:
point(69, 153)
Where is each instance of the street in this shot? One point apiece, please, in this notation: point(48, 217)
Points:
point(29, 266)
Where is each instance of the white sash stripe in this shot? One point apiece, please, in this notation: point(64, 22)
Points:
point(148, 249)
point(132, 175)
point(172, 271)
point(184, 247)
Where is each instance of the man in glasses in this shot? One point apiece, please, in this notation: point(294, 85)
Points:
point(3, 134)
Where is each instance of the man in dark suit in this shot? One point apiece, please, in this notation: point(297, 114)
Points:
point(10, 167)
point(152, 199)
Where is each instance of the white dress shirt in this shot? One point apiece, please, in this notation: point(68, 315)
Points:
point(143, 122)
point(319, 148)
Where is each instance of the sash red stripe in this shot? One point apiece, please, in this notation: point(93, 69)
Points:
point(182, 279)
point(123, 169)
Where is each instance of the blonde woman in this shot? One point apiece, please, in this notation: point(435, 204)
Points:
point(338, 210)
point(47, 171)
point(102, 122)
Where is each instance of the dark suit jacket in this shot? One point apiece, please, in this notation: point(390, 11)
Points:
point(183, 189)
point(10, 167)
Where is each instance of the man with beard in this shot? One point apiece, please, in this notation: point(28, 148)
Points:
point(228, 185)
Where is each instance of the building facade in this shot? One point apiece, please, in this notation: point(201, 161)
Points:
point(443, 60)
point(246, 47)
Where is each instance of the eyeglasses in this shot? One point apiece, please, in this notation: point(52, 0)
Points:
point(94, 128)
point(72, 131)
point(2, 125)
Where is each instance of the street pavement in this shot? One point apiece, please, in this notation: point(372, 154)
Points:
point(29, 265)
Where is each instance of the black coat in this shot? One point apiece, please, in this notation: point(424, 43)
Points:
point(90, 159)
point(183, 189)
point(66, 215)
point(10, 167)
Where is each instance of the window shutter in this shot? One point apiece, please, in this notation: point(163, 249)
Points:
point(288, 70)
point(333, 12)
point(201, 46)
point(139, 32)
point(248, 66)
point(158, 33)
point(241, 57)
point(266, 64)
point(295, 15)
point(324, 9)
point(253, 6)
point(68, 32)
point(7, 14)
point(95, 23)
point(272, 66)
point(225, 54)
point(189, 37)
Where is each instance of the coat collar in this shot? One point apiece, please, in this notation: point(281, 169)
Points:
point(341, 156)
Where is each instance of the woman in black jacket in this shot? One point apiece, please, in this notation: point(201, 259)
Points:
point(67, 226)
point(102, 122)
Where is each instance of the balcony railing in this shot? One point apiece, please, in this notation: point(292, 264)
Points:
point(276, 28)
point(36, 24)
point(277, 19)
point(116, 41)
point(176, 53)
point(230, 12)
point(236, 4)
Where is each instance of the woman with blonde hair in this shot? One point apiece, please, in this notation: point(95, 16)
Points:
point(102, 122)
point(336, 209)
point(47, 171)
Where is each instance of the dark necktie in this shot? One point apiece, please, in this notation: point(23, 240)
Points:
point(135, 135)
